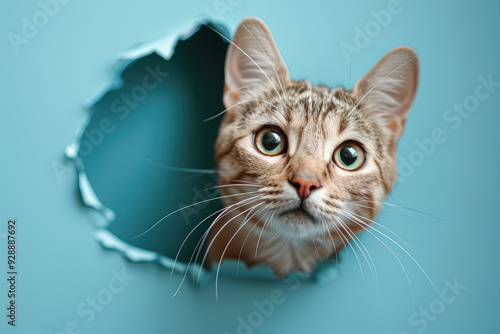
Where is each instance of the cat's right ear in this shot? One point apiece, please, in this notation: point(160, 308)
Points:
point(252, 62)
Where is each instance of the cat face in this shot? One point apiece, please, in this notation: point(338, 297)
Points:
point(315, 159)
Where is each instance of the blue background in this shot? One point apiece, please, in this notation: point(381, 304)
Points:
point(44, 85)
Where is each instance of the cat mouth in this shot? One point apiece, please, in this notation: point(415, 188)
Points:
point(298, 215)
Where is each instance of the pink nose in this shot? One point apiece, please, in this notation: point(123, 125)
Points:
point(304, 186)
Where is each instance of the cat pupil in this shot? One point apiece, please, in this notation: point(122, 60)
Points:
point(270, 140)
point(348, 155)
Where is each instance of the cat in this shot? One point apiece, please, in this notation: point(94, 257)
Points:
point(303, 168)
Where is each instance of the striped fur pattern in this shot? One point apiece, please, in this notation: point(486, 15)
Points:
point(266, 221)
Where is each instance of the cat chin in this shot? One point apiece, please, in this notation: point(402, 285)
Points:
point(299, 223)
point(298, 216)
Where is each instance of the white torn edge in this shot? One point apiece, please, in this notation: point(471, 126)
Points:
point(110, 241)
point(163, 46)
point(115, 83)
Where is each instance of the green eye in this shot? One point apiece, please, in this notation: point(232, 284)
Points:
point(270, 141)
point(349, 156)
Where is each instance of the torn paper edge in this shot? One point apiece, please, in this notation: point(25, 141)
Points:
point(135, 254)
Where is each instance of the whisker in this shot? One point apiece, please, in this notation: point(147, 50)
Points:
point(188, 206)
point(405, 207)
point(355, 239)
point(227, 39)
point(382, 226)
point(270, 62)
point(189, 234)
point(213, 240)
point(380, 81)
point(323, 223)
point(274, 236)
point(342, 240)
point(354, 219)
point(243, 243)
point(283, 243)
point(350, 245)
point(214, 170)
point(242, 181)
point(235, 185)
point(201, 242)
point(345, 243)
point(201, 222)
point(388, 211)
point(229, 242)
point(181, 169)
point(241, 88)
point(231, 107)
point(233, 207)
point(317, 251)
point(261, 231)
point(407, 253)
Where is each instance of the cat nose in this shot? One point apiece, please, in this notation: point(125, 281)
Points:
point(304, 185)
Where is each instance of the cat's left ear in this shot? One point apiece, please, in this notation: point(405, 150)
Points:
point(387, 91)
point(252, 61)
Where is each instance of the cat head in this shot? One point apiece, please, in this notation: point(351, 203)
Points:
point(317, 158)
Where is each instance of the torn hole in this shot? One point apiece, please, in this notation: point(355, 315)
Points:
point(146, 152)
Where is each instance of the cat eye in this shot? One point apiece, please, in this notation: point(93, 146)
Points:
point(349, 156)
point(270, 141)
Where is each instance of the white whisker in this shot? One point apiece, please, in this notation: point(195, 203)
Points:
point(404, 207)
point(407, 253)
point(188, 206)
point(251, 59)
point(243, 243)
point(215, 236)
point(234, 105)
point(382, 79)
point(356, 220)
point(262, 230)
point(202, 240)
point(362, 247)
point(350, 245)
point(272, 65)
point(229, 242)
